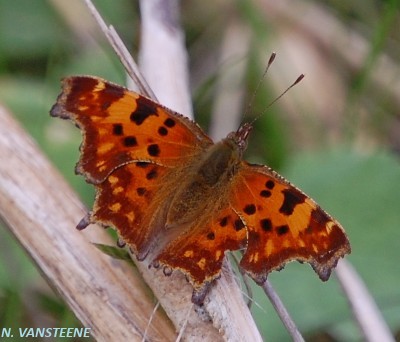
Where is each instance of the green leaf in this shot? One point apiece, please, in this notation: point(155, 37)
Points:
point(114, 252)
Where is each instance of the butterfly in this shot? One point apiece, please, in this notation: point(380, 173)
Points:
point(181, 200)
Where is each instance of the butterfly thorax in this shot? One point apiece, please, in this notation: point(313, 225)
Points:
point(207, 179)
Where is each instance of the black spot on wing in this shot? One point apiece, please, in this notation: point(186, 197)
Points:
point(238, 224)
point(169, 122)
point(162, 131)
point(270, 184)
point(282, 230)
point(210, 236)
point(141, 191)
point(130, 141)
point(292, 198)
point(152, 174)
point(153, 150)
point(250, 209)
point(224, 221)
point(144, 110)
point(265, 193)
point(266, 225)
point(118, 129)
point(142, 165)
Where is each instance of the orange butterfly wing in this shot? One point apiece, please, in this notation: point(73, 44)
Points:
point(130, 145)
point(125, 200)
point(199, 252)
point(121, 126)
point(283, 225)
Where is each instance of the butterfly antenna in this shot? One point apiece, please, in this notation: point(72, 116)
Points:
point(276, 99)
point(251, 102)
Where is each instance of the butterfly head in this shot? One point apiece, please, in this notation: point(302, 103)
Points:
point(239, 138)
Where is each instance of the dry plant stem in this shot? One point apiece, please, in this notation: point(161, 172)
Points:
point(81, 25)
point(227, 112)
point(162, 54)
point(282, 312)
point(364, 308)
point(246, 280)
point(41, 211)
point(156, 307)
point(228, 310)
point(122, 52)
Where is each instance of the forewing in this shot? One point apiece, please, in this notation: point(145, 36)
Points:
point(120, 126)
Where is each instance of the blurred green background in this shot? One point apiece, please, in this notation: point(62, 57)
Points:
point(336, 135)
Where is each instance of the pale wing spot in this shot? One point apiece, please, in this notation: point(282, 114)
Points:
point(117, 105)
point(218, 254)
point(315, 247)
point(329, 226)
point(202, 263)
point(102, 168)
point(115, 207)
point(104, 148)
point(269, 247)
point(255, 259)
point(100, 163)
point(112, 179)
point(83, 108)
point(118, 190)
point(301, 243)
point(130, 216)
point(133, 156)
point(188, 254)
point(96, 118)
point(99, 86)
point(300, 218)
point(103, 131)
